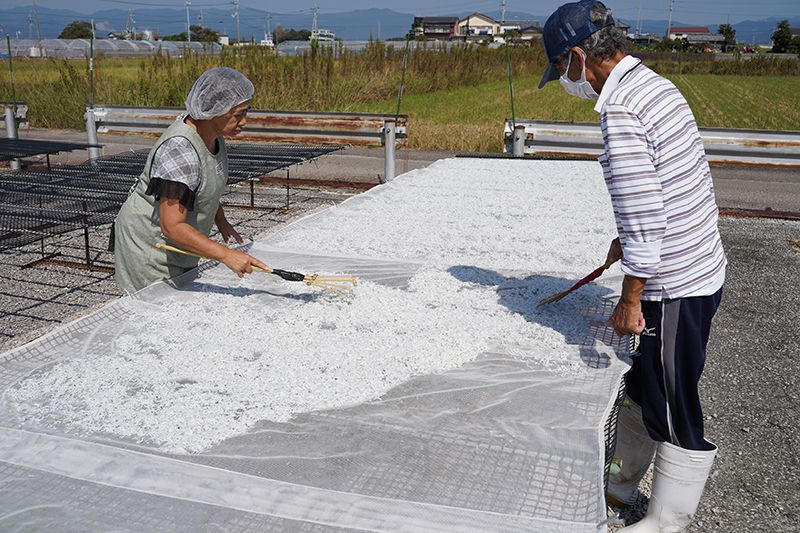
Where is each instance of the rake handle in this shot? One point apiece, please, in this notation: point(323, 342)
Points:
point(285, 274)
point(596, 273)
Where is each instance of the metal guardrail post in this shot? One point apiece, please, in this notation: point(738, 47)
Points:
point(389, 140)
point(518, 141)
point(91, 133)
point(11, 133)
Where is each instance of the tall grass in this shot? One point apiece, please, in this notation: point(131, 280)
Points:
point(457, 98)
point(56, 90)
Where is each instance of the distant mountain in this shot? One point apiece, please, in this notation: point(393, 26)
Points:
point(352, 25)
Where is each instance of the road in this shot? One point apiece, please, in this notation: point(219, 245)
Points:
point(736, 186)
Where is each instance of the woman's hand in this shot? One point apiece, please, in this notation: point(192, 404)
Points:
point(225, 228)
point(241, 263)
point(227, 231)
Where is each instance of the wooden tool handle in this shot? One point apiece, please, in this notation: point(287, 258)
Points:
point(169, 248)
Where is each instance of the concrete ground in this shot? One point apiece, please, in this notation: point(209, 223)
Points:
point(752, 378)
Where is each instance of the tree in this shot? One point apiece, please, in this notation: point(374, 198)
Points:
point(727, 31)
point(77, 29)
point(794, 46)
point(782, 38)
point(282, 34)
point(199, 34)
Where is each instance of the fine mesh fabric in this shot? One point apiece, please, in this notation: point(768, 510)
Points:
point(500, 443)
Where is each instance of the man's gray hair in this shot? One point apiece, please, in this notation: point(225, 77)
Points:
point(602, 44)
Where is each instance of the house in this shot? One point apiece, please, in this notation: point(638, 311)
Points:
point(624, 26)
point(224, 40)
point(645, 39)
point(700, 37)
point(478, 27)
point(530, 33)
point(524, 30)
point(683, 32)
point(516, 25)
point(435, 28)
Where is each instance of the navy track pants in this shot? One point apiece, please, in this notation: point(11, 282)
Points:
point(664, 377)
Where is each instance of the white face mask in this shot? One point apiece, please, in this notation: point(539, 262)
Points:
point(580, 88)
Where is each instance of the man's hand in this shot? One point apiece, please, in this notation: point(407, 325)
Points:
point(627, 319)
point(614, 252)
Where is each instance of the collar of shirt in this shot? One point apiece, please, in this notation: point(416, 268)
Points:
point(625, 65)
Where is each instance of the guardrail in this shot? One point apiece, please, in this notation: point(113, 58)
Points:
point(757, 147)
point(359, 129)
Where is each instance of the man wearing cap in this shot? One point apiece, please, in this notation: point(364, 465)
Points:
point(659, 180)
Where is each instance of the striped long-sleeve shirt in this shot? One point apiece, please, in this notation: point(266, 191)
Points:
point(660, 184)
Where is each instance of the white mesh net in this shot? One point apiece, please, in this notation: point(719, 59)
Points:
point(436, 398)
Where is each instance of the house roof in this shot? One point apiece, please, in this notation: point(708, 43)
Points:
point(688, 29)
point(438, 20)
point(519, 22)
point(479, 15)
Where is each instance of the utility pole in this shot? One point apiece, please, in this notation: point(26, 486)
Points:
point(639, 21)
point(502, 10)
point(236, 16)
point(38, 32)
point(669, 24)
point(188, 25)
point(314, 10)
point(200, 18)
point(268, 31)
point(130, 26)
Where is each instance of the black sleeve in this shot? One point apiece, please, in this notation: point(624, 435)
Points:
point(172, 190)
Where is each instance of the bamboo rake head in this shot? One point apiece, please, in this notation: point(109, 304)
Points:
point(336, 284)
point(553, 298)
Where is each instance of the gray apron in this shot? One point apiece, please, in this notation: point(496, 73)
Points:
point(137, 228)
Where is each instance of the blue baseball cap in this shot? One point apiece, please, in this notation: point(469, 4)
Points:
point(569, 26)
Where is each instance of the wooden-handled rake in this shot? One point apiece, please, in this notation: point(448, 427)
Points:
point(588, 279)
point(340, 284)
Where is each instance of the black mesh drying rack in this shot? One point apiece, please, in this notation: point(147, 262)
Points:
point(35, 204)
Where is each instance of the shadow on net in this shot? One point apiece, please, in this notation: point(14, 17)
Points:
point(580, 317)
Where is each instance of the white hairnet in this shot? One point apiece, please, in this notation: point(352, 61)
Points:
point(216, 92)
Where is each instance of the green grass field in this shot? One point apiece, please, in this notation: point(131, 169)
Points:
point(456, 101)
point(471, 118)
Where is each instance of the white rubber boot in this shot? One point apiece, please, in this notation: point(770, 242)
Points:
point(634, 453)
point(678, 483)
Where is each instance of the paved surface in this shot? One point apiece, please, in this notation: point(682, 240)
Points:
point(751, 385)
point(736, 186)
point(355, 164)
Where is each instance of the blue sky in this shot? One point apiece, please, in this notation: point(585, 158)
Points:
point(689, 11)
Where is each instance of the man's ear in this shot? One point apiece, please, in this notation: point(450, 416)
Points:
point(575, 63)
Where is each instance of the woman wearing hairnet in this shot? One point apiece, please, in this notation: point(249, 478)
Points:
point(176, 198)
